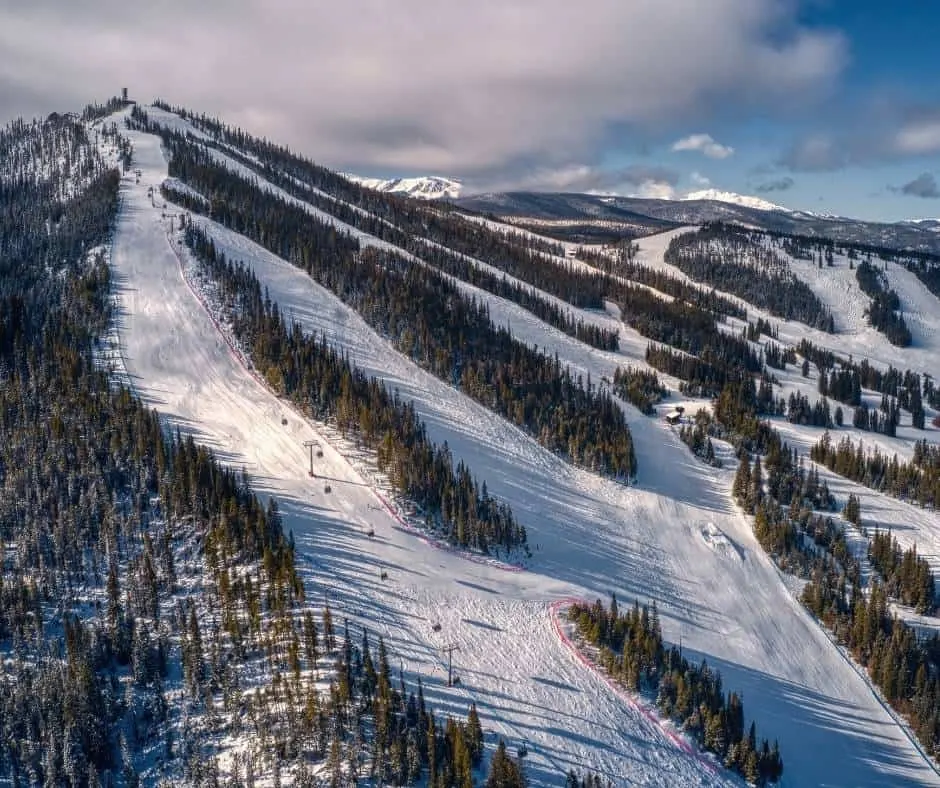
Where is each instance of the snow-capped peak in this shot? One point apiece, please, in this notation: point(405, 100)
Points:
point(928, 224)
point(736, 199)
point(429, 187)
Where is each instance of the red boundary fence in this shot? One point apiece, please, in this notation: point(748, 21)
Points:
point(248, 367)
point(675, 738)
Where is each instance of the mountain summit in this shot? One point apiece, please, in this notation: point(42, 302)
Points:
point(430, 187)
point(744, 200)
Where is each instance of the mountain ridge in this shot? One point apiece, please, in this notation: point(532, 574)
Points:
point(425, 187)
point(733, 198)
point(637, 213)
point(917, 236)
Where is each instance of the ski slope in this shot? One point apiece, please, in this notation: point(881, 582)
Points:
point(919, 307)
point(676, 540)
point(838, 288)
point(734, 589)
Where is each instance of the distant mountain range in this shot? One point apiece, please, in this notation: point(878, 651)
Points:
point(924, 224)
point(592, 218)
point(628, 212)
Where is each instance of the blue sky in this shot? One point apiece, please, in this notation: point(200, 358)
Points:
point(888, 83)
point(825, 105)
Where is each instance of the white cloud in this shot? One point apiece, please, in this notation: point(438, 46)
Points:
point(579, 178)
point(655, 190)
point(918, 138)
point(704, 144)
point(413, 86)
point(699, 180)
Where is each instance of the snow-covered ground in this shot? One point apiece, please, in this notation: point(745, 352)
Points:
point(676, 540)
point(736, 199)
point(837, 287)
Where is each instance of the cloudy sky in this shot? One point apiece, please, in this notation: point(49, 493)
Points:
point(827, 105)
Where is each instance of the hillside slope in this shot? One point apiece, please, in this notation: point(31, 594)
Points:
point(664, 540)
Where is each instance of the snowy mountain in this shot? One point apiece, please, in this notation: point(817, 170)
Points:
point(429, 187)
point(389, 540)
point(610, 216)
point(924, 224)
point(735, 199)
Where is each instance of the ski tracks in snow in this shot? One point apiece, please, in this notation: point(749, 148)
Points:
point(596, 537)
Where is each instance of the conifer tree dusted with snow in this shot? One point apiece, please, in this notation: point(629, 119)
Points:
point(504, 771)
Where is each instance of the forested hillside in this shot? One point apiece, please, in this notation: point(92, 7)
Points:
point(425, 314)
point(154, 626)
point(175, 614)
point(735, 260)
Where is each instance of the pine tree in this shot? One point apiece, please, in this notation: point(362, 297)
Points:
point(474, 735)
point(328, 629)
point(504, 772)
point(755, 490)
point(742, 478)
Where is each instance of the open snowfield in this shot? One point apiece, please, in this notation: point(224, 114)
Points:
point(676, 540)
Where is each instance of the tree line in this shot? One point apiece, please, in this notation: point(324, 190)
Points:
point(907, 576)
point(623, 265)
point(884, 310)
point(904, 666)
point(700, 376)
point(315, 376)
point(697, 436)
point(640, 387)
point(917, 481)
point(844, 380)
point(528, 298)
point(737, 261)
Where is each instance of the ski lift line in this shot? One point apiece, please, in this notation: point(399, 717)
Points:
point(510, 731)
point(312, 444)
point(243, 362)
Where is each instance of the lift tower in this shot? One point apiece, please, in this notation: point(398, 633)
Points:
point(450, 649)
